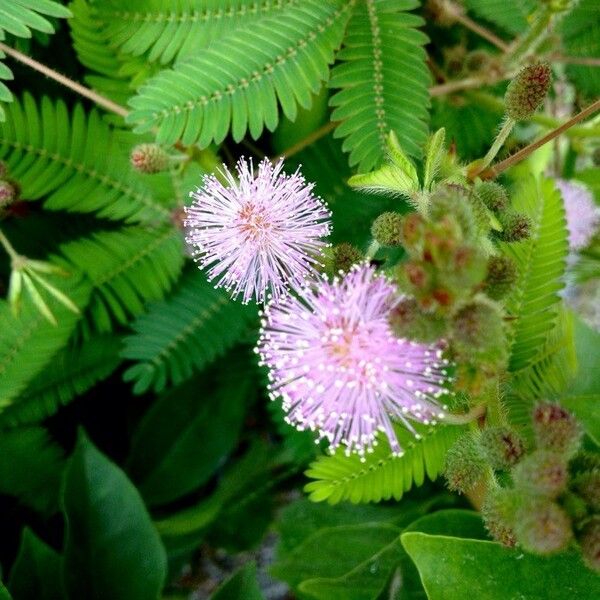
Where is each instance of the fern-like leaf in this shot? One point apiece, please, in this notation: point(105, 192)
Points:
point(75, 370)
point(382, 476)
point(383, 81)
point(509, 15)
point(76, 160)
point(183, 334)
point(28, 341)
point(127, 268)
point(541, 262)
point(236, 82)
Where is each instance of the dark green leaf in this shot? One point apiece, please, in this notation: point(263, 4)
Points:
point(242, 585)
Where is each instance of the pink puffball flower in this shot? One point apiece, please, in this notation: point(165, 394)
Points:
point(583, 216)
point(261, 234)
point(338, 368)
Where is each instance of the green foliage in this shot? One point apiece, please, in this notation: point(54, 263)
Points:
point(382, 476)
point(183, 333)
point(18, 18)
point(236, 82)
point(77, 162)
point(111, 547)
point(126, 267)
point(242, 585)
point(75, 369)
point(36, 572)
point(449, 565)
point(40, 462)
point(382, 60)
point(28, 341)
point(188, 432)
point(510, 15)
point(541, 263)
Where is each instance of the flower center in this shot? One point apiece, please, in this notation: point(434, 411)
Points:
point(253, 222)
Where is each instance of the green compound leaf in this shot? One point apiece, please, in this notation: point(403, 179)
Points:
point(382, 476)
point(541, 262)
point(76, 161)
point(509, 15)
point(383, 81)
point(183, 333)
point(112, 549)
point(236, 83)
point(449, 566)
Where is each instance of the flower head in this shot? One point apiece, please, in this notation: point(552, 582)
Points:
point(339, 369)
point(583, 216)
point(261, 234)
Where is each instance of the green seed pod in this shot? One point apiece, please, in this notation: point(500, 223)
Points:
point(387, 229)
point(516, 226)
point(543, 527)
point(465, 464)
point(556, 429)
point(344, 256)
point(589, 540)
point(498, 513)
point(453, 201)
point(542, 472)
point(149, 158)
point(526, 92)
point(502, 446)
point(413, 229)
point(493, 195)
point(8, 194)
point(409, 321)
point(501, 276)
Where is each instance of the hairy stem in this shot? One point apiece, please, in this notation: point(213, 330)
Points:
point(473, 415)
point(372, 249)
point(495, 170)
point(73, 85)
point(504, 132)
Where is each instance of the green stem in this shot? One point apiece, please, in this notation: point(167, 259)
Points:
point(498, 143)
point(372, 249)
point(533, 38)
point(14, 256)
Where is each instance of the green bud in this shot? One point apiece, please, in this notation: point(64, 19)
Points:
point(408, 320)
point(501, 276)
point(8, 194)
point(527, 91)
point(502, 446)
point(589, 541)
point(149, 158)
point(542, 472)
point(387, 229)
point(344, 256)
point(453, 200)
point(498, 513)
point(556, 429)
point(478, 331)
point(543, 527)
point(465, 465)
point(515, 226)
point(587, 485)
point(493, 195)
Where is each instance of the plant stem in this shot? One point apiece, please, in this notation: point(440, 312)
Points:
point(481, 31)
point(473, 415)
point(372, 249)
point(532, 39)
point(73, 85)
point(495, 170)
point(498, 143)
point(308, 140)
point(14, 256)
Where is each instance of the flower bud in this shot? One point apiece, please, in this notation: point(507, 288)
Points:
point(516, 227)
point(501, 276)
point(542, 472)
point(149, 158)
point(465, 465)
point(8, 193)
point(590, 544)
point(409, 321)
point(498, 513)
point(543, 527)
point(556, 429)
point(502, 447)
point(527, 91)
point(387, 229)
point(344, 256)
point(587, 485)
point(493, 195)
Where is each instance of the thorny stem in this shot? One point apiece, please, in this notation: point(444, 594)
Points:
point(495, 170)
point(73, 85)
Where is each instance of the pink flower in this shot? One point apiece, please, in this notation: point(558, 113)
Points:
point(338, 368)
point(259, 235)
point(581, 211)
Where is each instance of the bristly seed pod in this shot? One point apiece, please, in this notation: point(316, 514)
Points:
point(149, 158)
point(502, 446)
point(344, 256)
point(556, 429)
point(408, 320)
point(527, 91)
point(542, 472)
point(493, 195)
point(498, 513)
point(543, 527)
point(590, 544)
point(465, 464)
point(501, 276)
point(387, 229)
point(516, 227)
